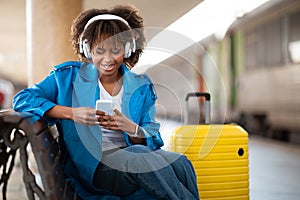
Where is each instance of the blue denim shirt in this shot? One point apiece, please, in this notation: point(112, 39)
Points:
point(75, 84)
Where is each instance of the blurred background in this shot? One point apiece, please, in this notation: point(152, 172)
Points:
point(245, 53)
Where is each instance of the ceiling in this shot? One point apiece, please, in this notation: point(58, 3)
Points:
point(156, 13)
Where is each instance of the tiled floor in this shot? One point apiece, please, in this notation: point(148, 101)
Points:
point(274, 170)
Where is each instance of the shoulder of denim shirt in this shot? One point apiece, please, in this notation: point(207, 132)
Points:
point(143, 77)
point(148, 80)
point(67, 65)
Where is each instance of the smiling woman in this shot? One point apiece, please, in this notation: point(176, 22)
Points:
point(116, 156)
point(108, 57)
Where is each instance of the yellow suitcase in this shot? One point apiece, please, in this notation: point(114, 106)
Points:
point(219, 154)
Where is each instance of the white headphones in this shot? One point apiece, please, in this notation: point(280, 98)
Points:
point(84, 47)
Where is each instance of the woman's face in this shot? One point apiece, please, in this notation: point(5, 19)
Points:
point(108, 56)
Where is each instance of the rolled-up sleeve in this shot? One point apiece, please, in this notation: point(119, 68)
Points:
point(38, 98)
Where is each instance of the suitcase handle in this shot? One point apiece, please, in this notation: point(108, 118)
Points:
point(207, 105)
point(198, 94)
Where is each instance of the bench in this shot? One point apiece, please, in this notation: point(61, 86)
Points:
point(17, 130)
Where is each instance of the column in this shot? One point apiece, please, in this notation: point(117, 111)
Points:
point(48, 28)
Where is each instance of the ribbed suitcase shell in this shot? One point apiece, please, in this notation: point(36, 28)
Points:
point(219, 154)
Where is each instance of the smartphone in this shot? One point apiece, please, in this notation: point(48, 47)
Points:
point(105, 106)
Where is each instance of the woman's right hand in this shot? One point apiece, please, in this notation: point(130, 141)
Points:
point(85, 115)
point(82, 115)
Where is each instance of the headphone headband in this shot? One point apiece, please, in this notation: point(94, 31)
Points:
point(106, 17)
point(83, 46)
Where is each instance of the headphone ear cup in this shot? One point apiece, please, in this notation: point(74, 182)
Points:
point(127, 50)
point(133, 45)
point(86, 49)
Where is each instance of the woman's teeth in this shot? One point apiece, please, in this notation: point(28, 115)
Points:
point(107, 66)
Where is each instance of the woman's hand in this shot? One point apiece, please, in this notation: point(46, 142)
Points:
point(119, 122)
point(85, 115)
point(116, 122)
point(82, 115)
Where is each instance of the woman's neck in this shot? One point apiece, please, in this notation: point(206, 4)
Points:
point(109, 79)
point(112, 84)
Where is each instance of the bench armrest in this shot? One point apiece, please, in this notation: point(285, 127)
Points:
point(17, 130)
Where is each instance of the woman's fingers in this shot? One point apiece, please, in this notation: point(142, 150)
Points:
point(99, 112)
point(117, 112)
point(84, 115)
point(109, 125)
point(116, 122)
point(103, 118)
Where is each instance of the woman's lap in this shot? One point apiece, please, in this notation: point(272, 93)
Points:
point(126, 170)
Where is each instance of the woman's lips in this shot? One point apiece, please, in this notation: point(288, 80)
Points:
point(108, 67)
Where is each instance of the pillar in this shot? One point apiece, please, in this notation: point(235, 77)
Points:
point(48, 28)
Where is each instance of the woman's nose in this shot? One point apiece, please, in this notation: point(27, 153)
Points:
point(107, 56)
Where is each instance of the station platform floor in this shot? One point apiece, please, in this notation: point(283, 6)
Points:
point(274, 169)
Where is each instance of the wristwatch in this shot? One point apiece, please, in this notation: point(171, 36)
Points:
point(136, 131)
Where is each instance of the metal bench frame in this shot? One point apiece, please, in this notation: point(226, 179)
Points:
point(17, 130)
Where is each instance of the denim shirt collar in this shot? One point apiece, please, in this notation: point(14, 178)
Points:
point(86, 89)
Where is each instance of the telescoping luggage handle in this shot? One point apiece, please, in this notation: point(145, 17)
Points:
point(207, 105)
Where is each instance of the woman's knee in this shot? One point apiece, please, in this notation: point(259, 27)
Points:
point(138, 149)
point(182, 162)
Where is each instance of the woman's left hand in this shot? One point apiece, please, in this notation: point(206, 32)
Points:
point(119, 122)
point(116, 122)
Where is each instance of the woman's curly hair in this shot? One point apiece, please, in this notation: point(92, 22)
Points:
point(110, 27)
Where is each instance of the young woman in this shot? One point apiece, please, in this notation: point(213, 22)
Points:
point(109, 156)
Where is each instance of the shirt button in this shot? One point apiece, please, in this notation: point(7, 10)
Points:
point(76, 138)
